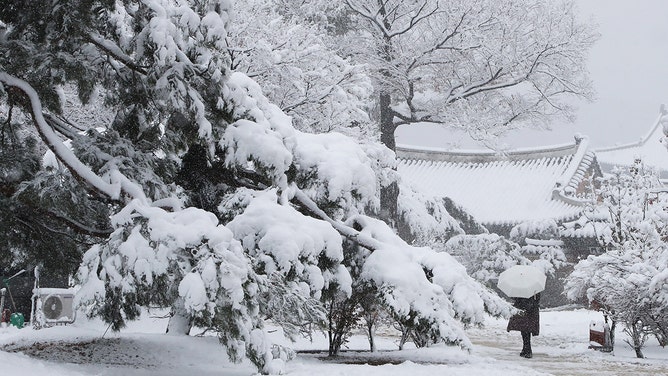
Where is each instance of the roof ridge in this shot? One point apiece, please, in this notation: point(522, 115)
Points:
point(435, 154)
point(569, 178)
point(663, 113)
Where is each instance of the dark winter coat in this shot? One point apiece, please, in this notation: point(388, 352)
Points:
point(529, 319)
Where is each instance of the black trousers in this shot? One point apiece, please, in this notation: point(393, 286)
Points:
point(526, 342)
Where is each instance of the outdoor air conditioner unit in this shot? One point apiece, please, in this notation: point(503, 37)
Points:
point(55, 306)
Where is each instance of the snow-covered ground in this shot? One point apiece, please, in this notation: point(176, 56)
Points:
point(141, 349)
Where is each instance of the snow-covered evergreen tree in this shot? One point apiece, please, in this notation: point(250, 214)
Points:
point(218, 203)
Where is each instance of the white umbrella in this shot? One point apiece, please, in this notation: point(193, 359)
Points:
point(522, 281)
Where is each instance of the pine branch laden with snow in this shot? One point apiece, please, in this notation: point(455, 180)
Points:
point(451, 295)
point(282, 241)
point(50, 138)
point(429, 221)
point(426, 285)
point(182, 48)
point(293, 198)
point(156, 257)
point(334, 170)
point(278, 239)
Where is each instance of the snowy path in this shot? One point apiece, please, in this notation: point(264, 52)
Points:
point(142, 350)
point(558, 352)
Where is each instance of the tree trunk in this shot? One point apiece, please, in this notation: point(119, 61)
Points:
point(388, 195)
point(180, 321)
point(370, 319)
point(342, 316)
point(637, 336)
point(405, 335)
point(387, 126)
point(334, 332)
point(372, 339)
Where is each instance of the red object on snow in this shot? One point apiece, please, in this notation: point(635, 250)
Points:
point(599, 336)
point(6, 315)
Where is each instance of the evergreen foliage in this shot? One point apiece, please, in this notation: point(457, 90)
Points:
point(198, 192)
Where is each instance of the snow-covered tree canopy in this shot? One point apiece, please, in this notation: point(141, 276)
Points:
point(485, 65)
point(214, 194)
point(485, 256)
point(628, 281)
point(290, 59)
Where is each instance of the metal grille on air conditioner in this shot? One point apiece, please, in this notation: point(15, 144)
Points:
point(56, 306)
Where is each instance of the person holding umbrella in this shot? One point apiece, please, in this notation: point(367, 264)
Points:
point(524, 283)
point(526, 322)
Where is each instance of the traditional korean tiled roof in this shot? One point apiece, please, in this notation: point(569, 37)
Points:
point(583, 227)
point(503, 189)
point(651, 149)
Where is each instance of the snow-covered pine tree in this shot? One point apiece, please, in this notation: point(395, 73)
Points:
point(287, 200)
point(45, 219)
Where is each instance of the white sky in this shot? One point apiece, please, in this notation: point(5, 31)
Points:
point(629, 68)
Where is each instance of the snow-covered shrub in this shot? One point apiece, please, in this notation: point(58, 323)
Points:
point(485, 256)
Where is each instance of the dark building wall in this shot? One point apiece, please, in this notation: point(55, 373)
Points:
point(19, 290)
point(577, 249)
point(501, 230)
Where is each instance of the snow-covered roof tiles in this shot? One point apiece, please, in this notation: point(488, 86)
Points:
point(650, 149)
point(502, 189)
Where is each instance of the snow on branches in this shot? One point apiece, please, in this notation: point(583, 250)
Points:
point(426, 285)
point(485, 255)
point(278, 239)
point(179, 49)
point(627, 280)
point(304, 247)
point(333, 170)
point(318, 88)
point(291, 203)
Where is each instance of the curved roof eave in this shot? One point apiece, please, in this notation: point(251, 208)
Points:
point(465, 170)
